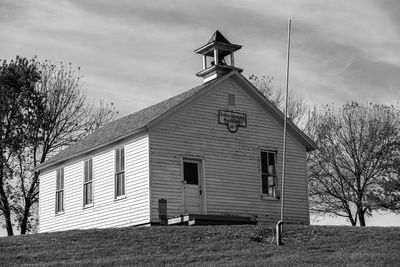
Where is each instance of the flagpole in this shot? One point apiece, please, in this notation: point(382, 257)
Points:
point(279, 224)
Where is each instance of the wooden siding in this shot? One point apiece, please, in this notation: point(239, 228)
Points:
point(232, 182)
point(106, 211)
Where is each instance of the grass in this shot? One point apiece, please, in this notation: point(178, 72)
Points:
point(206, 246)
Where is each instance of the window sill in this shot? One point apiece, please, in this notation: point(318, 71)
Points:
point(120, 198)
point(266, 197)
point(60, 213)
point(88, 206)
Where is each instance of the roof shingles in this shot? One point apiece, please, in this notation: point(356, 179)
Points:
point(122, 127)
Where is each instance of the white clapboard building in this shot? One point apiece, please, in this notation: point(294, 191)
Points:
point(213, 150)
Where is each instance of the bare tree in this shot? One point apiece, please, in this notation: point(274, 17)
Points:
point(63, 117)
point(299, 112)
point(357, 147)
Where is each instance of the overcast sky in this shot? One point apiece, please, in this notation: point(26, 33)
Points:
point(137, 53)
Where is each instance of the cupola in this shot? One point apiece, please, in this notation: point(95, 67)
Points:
point(218, 57)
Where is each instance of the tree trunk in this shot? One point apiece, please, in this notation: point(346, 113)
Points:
point(9, 228)
point(361, 216)
point(353, 220)
point(5, 208)
point(24, 222)
point(362, 219)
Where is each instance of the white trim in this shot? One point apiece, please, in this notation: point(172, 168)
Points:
point(114, 174)
point(62, 171)
point(262, 194)
point(85, 206)
point(201, 169)
point(204, 195)
point(211, 77)
point(149, 174)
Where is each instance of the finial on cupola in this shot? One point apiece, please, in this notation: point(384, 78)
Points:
point(215, 57)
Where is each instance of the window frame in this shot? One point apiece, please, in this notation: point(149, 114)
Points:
point(265, 192)
point(59, 209)
point(119, 173)
point(87, 182)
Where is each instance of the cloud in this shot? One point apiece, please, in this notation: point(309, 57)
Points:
point(341, 50)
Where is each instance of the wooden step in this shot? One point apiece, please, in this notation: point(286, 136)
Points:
point(201, 219)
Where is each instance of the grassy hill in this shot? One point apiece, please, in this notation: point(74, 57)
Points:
point(207, 246)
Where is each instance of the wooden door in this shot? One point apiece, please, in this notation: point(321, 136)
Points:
point(192, 178)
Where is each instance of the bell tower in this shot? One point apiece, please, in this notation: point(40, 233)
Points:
point(218, 57)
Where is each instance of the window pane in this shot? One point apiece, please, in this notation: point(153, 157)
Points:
point(117, 160)
point(84, 194)
point(62, 200)
point(191, 172)
point(58, 175)
point(270, 191)
point(271, 181)
point(62, 179)
point(90, 194)
point(117, 185)
point(59, 201)
point(90, 170)
point(264, 180)
point(86, 171)
point(122, 150)
point(264, 162)
point(122, 183)
point(271, 163)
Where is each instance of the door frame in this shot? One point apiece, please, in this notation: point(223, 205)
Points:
point(202, 181)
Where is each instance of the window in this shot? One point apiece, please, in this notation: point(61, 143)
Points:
point(88, 182)
point(119, 183)
point(268, 173)
point(191, 172)
point(231, 100)
point(60, 191)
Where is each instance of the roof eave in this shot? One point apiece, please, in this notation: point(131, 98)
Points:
point(308, 143)
point(80, 153)
point(210, 46)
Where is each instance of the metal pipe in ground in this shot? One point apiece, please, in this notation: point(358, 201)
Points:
point(279, 231)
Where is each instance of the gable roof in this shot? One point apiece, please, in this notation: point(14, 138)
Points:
point(140, 120)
